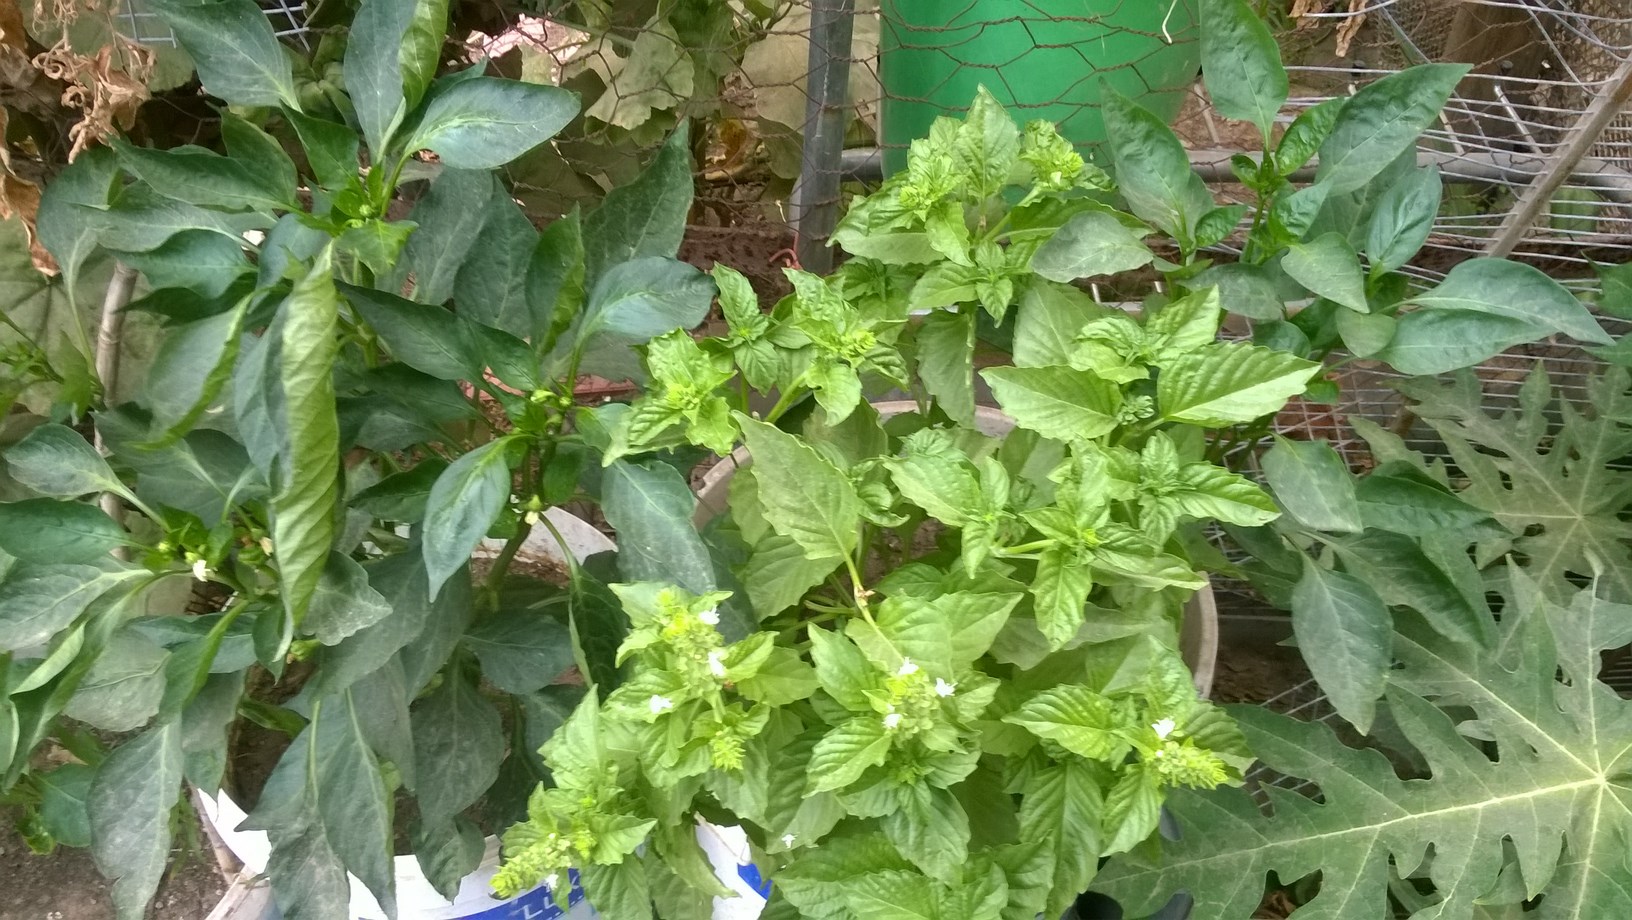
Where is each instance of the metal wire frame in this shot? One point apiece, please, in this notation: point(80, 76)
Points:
point(139, 23)
point(1541, 143)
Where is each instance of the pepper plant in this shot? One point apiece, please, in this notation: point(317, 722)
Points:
point(345, 402)
point(960, 683)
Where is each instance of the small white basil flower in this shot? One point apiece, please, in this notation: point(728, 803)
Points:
point(892, 721)
point(943, 688)
point(907, 668)
point(711, 616)
point(1164, 728)
point(787, 840)
point(659, 704)
point(552, 880)
point(716, 664)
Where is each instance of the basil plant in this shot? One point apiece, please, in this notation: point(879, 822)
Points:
point(940, 675)
point(346, 400)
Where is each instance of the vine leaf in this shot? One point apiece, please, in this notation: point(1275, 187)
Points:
point(1547, 809)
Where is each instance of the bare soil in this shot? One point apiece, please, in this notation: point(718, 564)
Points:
point(67, 886)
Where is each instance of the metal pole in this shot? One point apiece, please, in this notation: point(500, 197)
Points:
point(827, 82)
point(1539, 195)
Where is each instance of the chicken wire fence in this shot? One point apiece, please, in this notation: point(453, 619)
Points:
point(788, 105)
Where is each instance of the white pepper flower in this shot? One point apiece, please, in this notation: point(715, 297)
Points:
point(201, 570)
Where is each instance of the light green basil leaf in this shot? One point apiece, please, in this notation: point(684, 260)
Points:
point(1330, 268)
point(930, 828)
point(1060, 593)
point(784, 678)
point(1383, 120)
point(946, 355)
point(464, 503)
point(1208, 492)
point(1313, 485)
point(987, 145)
point(846, 751)
point(779, 573)
point(1242, 64)
point(1050, 318)
point(1091, 243)
point(1062, 807)
point(805, 498)
point(1080, 720)
point(237, 56)
point(1056, 402)
point(1133, 808)
point(1344, 618)
point(1230, 382)
point(622, 890)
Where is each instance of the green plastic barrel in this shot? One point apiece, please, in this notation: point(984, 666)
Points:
point(1041, 58)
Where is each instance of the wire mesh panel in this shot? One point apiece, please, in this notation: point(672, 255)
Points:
point(136, 20)
point(1534, 141)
